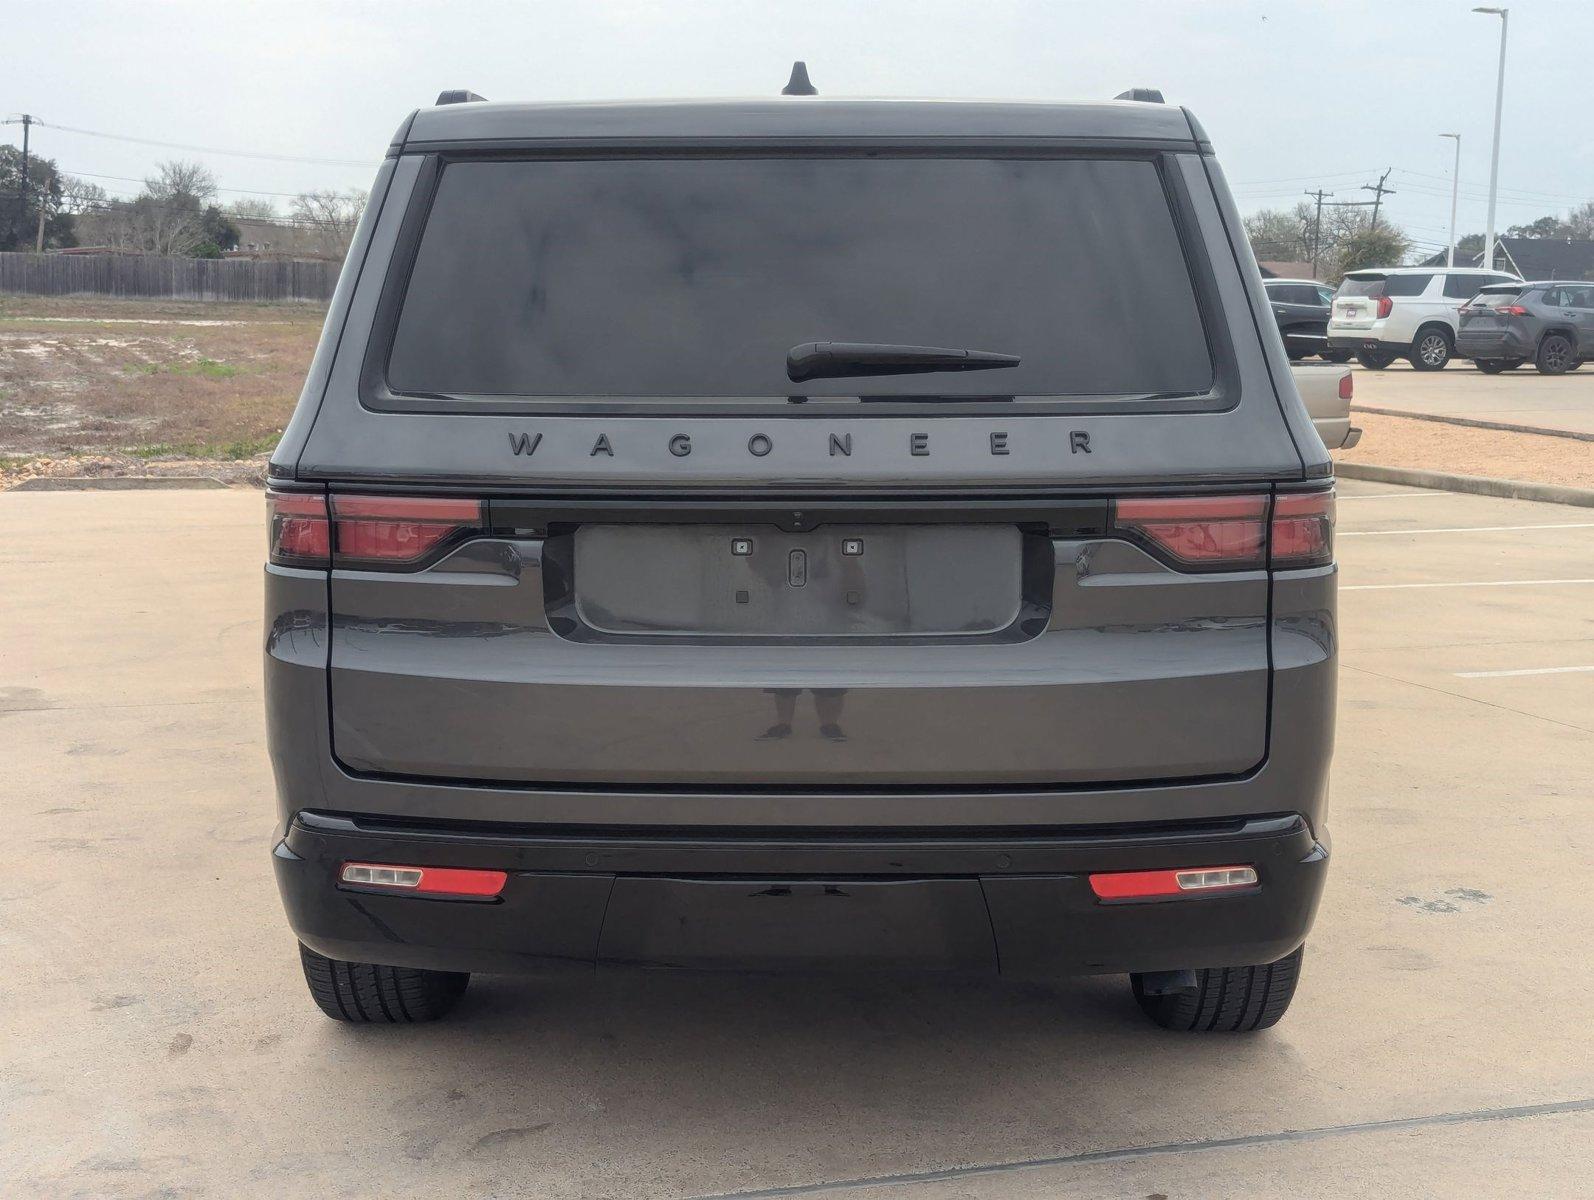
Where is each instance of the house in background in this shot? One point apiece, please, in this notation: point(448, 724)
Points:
point(1286, 270)
point(1532, 258)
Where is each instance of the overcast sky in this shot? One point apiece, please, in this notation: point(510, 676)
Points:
point(1295, 93)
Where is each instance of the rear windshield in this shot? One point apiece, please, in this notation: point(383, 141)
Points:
point(1496, 299)
point(1351, 286)
point(1385, 285)
point(656, 278)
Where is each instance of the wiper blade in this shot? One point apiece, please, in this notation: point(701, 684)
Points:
point(837, 360)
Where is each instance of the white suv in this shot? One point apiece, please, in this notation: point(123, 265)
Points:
point(1411, 311)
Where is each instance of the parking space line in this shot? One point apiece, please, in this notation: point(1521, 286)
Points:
point(1462, 529)
point(1522, 671)
point(1128, 1153)
point(1393, 587)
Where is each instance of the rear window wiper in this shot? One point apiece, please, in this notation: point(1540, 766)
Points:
point(838, 360)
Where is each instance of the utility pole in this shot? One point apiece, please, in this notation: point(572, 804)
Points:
point(1379, 191)
point(1494, 159)
point(1317, 228)
point(22, 193)
point(1455, 192)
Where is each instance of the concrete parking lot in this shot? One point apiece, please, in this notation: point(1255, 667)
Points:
point(156, 1038)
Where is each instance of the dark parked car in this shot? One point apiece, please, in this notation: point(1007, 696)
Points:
point(761, 534)
point(1301, 309)
point(1550, 324)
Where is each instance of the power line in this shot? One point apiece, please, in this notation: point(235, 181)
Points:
point(119, 137)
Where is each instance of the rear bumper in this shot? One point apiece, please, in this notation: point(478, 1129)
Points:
point(998, 902)
point(1365, 340)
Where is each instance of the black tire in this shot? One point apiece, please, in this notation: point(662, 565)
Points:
point(1431, 349)
point(1493, 366)
point(366, 993)
point(1555, 356)
point(1576, 365)
point(1226, 999)
point(1336, 356)
point(1374, 360)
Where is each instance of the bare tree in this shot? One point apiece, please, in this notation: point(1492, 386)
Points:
point(251, 209)
point(170, 215)
point(81, 196)
point(330, 218)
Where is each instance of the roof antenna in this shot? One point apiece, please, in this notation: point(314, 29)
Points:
point(798, 84)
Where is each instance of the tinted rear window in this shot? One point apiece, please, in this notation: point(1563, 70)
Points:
point(657, 278)
point(1496, 299)
point(1361, 287)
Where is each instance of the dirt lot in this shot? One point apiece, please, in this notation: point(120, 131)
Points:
point(103, 386)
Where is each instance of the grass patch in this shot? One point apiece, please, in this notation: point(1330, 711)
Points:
point(209, 368)
point(228, 451)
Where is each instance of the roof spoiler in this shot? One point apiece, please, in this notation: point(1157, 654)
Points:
point(1144, 95)
point(458, 96)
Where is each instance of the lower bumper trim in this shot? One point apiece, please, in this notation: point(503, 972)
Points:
point(1017, 905)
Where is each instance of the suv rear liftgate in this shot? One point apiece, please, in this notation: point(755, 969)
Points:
point(815, 514)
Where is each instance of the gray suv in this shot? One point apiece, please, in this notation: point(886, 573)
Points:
point(763, 535)
point(1550, 324)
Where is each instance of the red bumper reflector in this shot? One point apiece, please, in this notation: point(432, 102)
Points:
point(1135, 885)
point(425, 881)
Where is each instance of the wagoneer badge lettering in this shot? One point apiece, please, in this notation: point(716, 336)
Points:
point(761, 445)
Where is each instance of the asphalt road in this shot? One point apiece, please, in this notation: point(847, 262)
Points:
point(1519, 397)
point(156, 1039)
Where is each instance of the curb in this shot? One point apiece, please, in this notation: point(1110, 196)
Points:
point(1474, 422)
point(114, 483)
point(1476, 485)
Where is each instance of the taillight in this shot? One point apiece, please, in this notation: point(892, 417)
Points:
point(1231, 533)
point(1385, 306)
point(1203, 533)
point(1513, 310)
point(1303, 529)
point(364, 531)
point(394, 531)
point(299, 535)
point(1347, 386)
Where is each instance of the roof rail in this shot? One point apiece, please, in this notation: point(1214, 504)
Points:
point(798, 84)
point(458, 96)
point(1144, 95)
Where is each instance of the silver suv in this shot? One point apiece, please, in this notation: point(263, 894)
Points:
point(1404, 312)
point(1550, 324)
point(762, 534)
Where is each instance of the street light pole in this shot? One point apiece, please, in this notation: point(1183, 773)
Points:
point(1494, 163)
point(1455, 191)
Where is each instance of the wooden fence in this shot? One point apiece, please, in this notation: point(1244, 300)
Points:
point(135, 275)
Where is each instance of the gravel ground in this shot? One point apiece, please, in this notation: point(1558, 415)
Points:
point(1461, 450)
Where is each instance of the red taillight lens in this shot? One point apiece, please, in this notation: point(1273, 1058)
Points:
point(299, 533)
point(1347, 386)
point(398, 530)
point(1201, 532)
point(1144, 885)
point(425, 881)
point(1513, 310)
point(1303, 529)
point(1385, 306)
